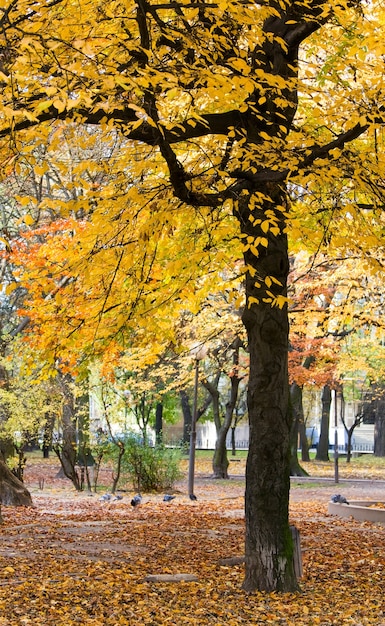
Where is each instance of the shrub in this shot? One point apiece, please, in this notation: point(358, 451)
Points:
point(149, 468)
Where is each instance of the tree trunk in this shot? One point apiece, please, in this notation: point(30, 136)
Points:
point(159, 423)
point(117, 473)
point(323, 443)
point(269, 545)
point(7, 449)
point(47, 434)
point(295, 467)
point(220, 460)
point(12, 491)
point(379, 427)
point(298, 418)
point(304, 443)
point(187, 416)
point(187, 413)
point(66, 451)
point(350, 432)
point(296, 393)
point(233, 448)
point(82, 426)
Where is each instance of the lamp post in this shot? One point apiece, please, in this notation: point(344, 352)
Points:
point(199, 354)
point(336, 477)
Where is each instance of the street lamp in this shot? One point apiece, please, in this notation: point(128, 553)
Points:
point(336, 477)
point(199, 353)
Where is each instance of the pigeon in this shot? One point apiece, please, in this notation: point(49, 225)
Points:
point(105, 498)
point(117, 498)
point(168, 498)
point(339, 499)
point(192, 497)
point(136, 500)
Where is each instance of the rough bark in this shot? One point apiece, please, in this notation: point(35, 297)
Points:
point(323, 443)
point(12, 490)
point(269, 545)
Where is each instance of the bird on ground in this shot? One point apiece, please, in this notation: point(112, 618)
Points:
point(136, 500)
point(339, 499)
point(192, 497)
point(118, 497)
point(168, 497)
point(105, 498)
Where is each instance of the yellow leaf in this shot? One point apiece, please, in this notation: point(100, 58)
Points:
point(59, 105)
point(28, 219)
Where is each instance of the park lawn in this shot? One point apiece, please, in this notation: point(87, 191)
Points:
point(363, 467)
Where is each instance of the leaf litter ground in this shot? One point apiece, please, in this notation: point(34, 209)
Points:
point(73, 559)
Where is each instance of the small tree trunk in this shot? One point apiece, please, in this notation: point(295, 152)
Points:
point(305, 452)
point(233, 448)
point(187, 415)
point(82, 421)
point(12, 490)
point(323, 443)
point(295, 467)
point(48, 432)
point(116, 476)
point(296, 396)
point(297, 412)
point(350, 432)
point(379, 428)
point(220, 460)
point(159, 423)
point(18, 471)
point(67, 450)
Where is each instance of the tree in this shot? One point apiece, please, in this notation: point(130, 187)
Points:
point(223, 415)
point(211, 94)
point(349, 430)
point(323, 443)
point(299, 428)
point(216, 332)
